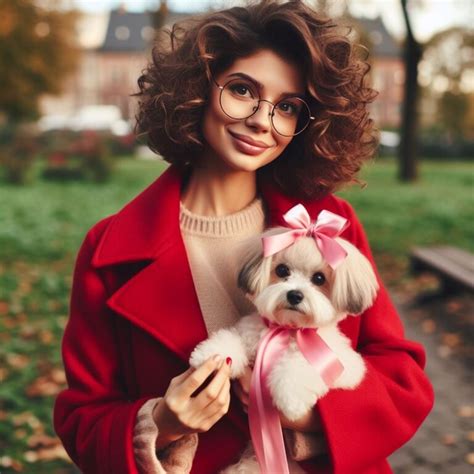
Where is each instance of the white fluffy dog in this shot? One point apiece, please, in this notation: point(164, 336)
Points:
point(296, 287)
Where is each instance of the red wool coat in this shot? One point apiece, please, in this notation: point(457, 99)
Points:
point(135, 318)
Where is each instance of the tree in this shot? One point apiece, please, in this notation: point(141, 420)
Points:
point(160, 15)
point(447, 78)
point(407, 150)
point(37, 53)
point(440, 62)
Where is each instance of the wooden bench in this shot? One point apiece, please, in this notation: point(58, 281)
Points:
point(454, 266)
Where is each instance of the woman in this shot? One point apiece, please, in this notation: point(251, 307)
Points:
point(257, 109)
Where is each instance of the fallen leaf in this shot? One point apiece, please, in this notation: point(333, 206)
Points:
point(42, 440)
point(451, 339)
point(58, 375)
point(47, 385)
point(453, 306)
point(8, 323)
point(448, 439)
point(444, 351)
point(7, 461)
point(20, 433)
point(3, 308)
point(470, 458)
point(26, 417)
point(24, 287)
point(466, 411)
point(27, 331)
point(46, 336)
point(17, 361)
point(3, 374)
point(47, 454)
point(428, 326)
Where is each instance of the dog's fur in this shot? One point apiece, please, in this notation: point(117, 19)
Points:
point(294, 384)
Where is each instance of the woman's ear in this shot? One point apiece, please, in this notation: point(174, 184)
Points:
point(355, 284)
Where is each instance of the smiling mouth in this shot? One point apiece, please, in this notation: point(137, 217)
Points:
point(245, 147)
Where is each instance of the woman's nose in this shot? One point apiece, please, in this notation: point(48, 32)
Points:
point(262, 117)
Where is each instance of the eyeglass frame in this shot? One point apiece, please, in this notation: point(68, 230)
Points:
point(271, 113)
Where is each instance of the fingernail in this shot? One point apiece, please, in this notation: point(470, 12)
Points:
point(228, 361)
point(216, 358)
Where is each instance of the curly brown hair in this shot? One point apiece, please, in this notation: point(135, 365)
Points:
point(174, 89)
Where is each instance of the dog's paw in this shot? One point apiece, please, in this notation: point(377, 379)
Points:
point(296, 410)
point(354, 372)
point(226, 343)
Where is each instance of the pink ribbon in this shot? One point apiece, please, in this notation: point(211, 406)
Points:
point(324, 230)
point(264, 419)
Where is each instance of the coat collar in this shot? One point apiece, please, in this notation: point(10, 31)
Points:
point(148, 226)
point(161, 298)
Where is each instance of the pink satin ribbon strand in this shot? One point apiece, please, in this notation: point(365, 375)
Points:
point(324, 231)
point(264, 418)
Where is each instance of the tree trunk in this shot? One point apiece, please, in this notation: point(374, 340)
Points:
point(408, 143)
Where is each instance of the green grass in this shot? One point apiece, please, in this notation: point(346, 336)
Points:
point(48, 220)
point(42, 226)
point(437, 209)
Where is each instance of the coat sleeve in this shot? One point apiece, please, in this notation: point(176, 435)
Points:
point(93, 416)
point(365, 425)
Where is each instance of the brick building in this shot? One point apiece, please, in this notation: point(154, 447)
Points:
point(113, 60)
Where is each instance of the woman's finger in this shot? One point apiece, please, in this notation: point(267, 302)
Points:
point(197, 377)
point(212, 391)
point(181, 377)
point(217, 409)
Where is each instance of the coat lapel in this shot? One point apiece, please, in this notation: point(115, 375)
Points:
point(161, 298)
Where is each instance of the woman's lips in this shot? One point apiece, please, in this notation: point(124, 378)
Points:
point(245, 147)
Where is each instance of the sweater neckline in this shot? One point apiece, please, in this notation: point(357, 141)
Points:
point(249, 219)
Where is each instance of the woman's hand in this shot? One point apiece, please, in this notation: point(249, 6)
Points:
point(310, 422)
point(180, 413)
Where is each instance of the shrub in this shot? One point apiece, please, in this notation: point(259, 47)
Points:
point(18, 149)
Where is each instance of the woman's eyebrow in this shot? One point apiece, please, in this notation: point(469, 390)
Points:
point(261, 86)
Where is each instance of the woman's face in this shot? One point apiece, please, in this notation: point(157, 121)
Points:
point(249, 144)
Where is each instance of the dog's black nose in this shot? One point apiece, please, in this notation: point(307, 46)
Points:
point(294, 297)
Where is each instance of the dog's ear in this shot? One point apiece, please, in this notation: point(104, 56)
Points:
point(355, 284)
point(254, 275)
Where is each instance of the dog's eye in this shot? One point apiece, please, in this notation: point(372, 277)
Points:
point(318, 278)
point(282, 271)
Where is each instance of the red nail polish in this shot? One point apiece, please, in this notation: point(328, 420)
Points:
point(228, 361)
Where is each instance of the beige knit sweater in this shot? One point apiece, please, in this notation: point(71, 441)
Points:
point(215, 247)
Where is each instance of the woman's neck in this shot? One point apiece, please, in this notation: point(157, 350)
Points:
point(218, 191)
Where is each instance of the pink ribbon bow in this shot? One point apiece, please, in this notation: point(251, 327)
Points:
point(264, 419)
point(324, 230)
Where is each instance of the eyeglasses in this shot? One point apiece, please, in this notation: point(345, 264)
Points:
point(239, 99)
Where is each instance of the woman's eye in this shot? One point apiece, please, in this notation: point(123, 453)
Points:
point(318, 279)
point(241, 90)
point(288, 108)
point(282, 271)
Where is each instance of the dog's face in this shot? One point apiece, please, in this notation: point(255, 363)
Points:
point(296, 286)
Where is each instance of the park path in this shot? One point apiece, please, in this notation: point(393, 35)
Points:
point(445, 442)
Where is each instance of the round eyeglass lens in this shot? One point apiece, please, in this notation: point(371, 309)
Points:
point(290, 116)
point(239, 99)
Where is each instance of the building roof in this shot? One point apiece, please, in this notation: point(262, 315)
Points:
point(383, 44)
point(131, 31)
